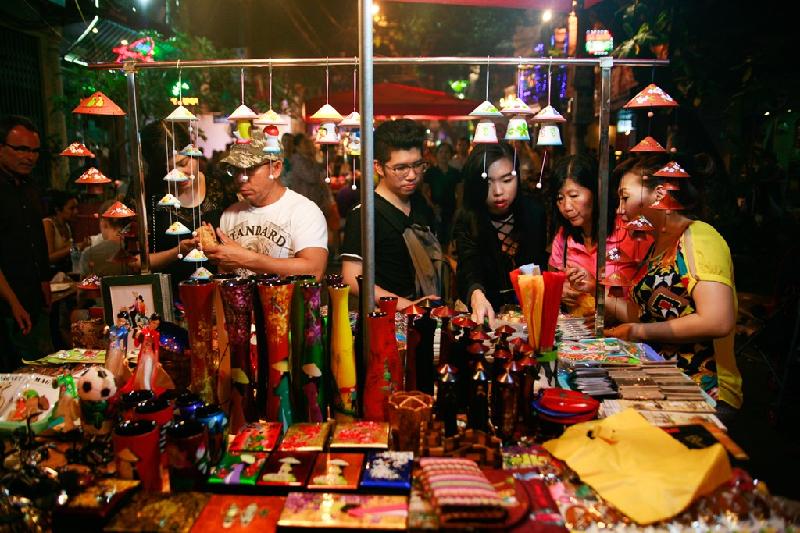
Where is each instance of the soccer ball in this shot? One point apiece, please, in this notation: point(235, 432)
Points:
point(96, 384)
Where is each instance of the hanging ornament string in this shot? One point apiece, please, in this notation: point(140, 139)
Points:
point(485, 174)
point(541, 172)
point(355, 85)
point(516, 93)
point(327, 84)
point(549, 83)
point(270, 83)
point(241, 83)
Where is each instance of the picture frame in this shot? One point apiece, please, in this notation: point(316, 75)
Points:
point(140, 294)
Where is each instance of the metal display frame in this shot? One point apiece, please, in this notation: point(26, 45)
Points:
point(366, 63)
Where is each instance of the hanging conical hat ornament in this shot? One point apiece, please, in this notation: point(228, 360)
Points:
point(617, 283)
point(548, 114)
point(671, 170)
point(639, 227)
point(651, 96)
point(269, 117)
point(648, 145)
point(169, 200)
point(98, 104)
point(668, 204)
point(549, 134)
point(201, 273)
point(243, 116)
point(190, 150)
point(513, 105)
point(118, 210)
point(94, 179)
point(195, 256)
point(176, 176)
point(618, 255)
point(178, 228)
point(517, 129)
point(328, 117)
point(180, 113)
point(76, 150)
point(353, 120)
point(485, 130)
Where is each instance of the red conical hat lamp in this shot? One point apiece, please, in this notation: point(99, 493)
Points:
point(76, 150)
point(651, 96)
point(616, 282)
point(119, 210)
point(94, 179)
point(98, 104)
point(639, 227)
point(667, 203)
point(671, 170)
point(648, 144)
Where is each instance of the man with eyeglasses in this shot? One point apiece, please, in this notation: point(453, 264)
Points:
point(273, 229)
point(408, 258)
point(24, 274)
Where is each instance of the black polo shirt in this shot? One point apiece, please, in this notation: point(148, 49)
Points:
point(23, 248)
point(394, 270)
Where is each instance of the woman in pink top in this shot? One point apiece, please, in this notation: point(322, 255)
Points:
point(574, 248)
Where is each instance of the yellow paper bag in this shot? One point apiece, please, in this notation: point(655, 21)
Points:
point(639, 468)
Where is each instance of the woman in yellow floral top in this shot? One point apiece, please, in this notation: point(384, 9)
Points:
point(684, 291)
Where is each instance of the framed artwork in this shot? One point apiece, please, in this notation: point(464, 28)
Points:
point(140, 295)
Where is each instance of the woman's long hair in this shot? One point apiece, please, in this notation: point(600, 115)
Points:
point(476, 187)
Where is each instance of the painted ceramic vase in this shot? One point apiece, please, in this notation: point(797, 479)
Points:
point(343, 364)
point(384, 373)
point(197, 296)
point(313, 369)
point(237, 304)
point(276, 298)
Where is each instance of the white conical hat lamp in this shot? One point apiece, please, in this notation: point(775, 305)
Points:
point(180, 114)
point(269, 117)
point(517, 129)
point(353, 120)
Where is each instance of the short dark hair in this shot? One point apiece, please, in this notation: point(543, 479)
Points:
point(400, 134)
point(445, 146)
point(59, 198)
point(9, 122)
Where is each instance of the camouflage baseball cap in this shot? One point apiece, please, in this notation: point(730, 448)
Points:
point(252, 154)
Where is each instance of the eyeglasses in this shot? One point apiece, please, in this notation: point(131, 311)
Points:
point(401, 171)
point(23, 149)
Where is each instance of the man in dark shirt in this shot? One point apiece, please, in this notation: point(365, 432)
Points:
point(398, 207)
point(440, 183)
point(24, 276)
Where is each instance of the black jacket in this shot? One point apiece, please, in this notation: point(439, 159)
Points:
point(481, 262)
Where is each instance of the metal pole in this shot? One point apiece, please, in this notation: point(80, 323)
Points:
point(135, 166)
point(378, 61)
point(367, 156)
point(606, 64)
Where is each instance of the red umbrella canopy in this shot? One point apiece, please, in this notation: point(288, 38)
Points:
point(556, 5)
point(396, 100)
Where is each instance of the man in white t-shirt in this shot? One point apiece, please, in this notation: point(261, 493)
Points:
point(273, 229)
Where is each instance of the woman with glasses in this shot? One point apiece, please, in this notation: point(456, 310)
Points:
point(497, 230)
